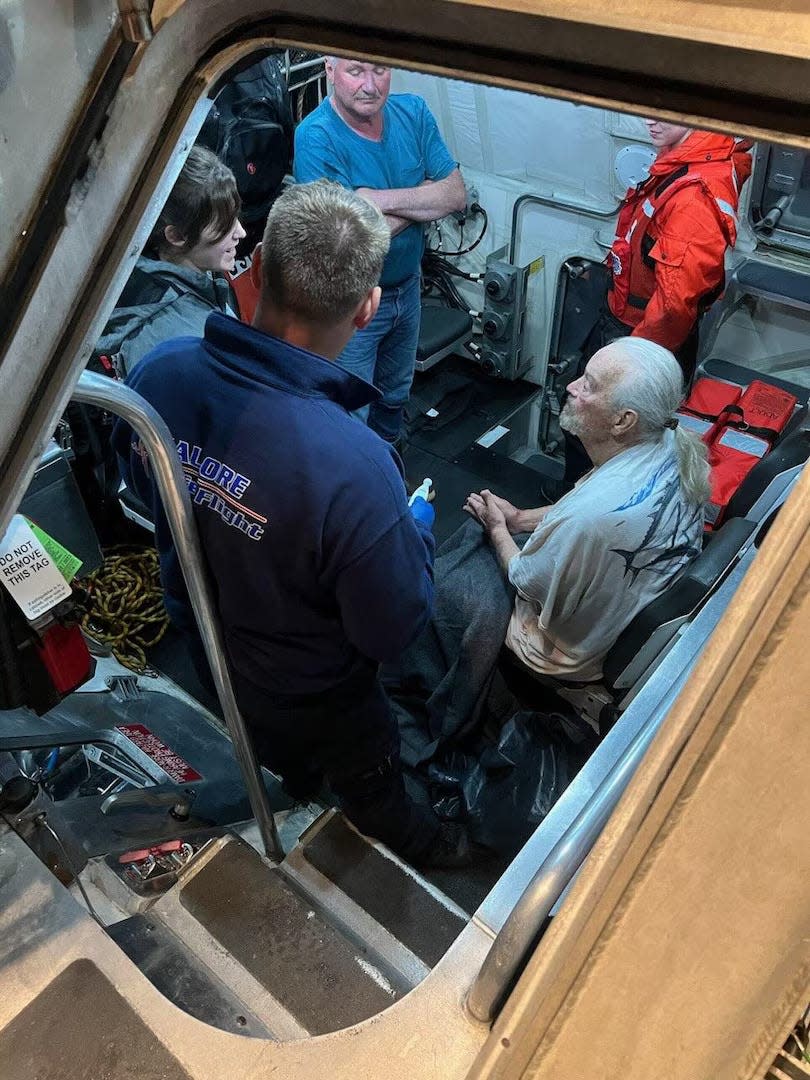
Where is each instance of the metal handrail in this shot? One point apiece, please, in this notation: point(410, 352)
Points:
point(120, 400)
point(553, 876)
point(301, 65)
point(555, 202)
point(306, 82)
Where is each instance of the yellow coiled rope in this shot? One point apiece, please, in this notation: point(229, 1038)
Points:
point(125, 604)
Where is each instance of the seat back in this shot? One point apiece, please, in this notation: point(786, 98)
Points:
point(773, 471)
point(442, 331)
point(753, 278)
point(641, 644)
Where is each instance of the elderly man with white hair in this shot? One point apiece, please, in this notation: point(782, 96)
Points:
point(601, 553)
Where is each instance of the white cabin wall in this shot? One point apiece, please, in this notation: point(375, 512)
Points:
point(510, 144)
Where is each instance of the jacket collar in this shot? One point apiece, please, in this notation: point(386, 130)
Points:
point(213, 288)
point(698, 147)
point(270, 360)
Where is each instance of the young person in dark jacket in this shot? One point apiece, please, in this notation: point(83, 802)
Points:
point(179, 280)
point(321, 569)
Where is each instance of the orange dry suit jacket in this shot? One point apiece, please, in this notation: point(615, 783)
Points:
point(667, 260)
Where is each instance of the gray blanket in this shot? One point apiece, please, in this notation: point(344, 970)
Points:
point(441, 687)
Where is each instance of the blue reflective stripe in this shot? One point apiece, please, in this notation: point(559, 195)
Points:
point(648, 208)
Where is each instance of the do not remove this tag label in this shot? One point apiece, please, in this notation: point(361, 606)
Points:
point(28, 572)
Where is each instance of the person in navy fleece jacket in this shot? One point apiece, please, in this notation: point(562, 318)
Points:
point(321, 569)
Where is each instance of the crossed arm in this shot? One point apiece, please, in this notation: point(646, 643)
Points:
point(432, 199)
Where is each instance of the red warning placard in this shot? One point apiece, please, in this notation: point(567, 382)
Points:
point(172, 764)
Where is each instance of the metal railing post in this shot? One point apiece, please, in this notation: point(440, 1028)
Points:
point(120, 400)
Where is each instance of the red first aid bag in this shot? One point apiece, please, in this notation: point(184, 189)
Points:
point(708, 405)
point(63, 651)
point(744, 435)
point(247, 295)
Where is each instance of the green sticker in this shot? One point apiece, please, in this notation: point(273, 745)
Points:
point(66, 562)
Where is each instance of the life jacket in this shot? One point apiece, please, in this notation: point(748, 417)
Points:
point(713, 168)
point(739, 427)
point(246, 293)
point(709, 403)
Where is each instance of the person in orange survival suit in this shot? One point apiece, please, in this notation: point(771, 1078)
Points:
point(667, 262)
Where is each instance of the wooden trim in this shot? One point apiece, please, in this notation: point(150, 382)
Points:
point(683, 950)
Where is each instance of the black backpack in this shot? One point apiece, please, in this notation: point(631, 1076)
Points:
point(250, 127)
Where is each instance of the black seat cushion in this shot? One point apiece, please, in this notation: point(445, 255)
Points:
point(440, 327)
point(780, 282)
point(681, 597)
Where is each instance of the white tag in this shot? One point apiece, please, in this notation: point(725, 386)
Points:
point(432, 413)
point(28, 571)
point(492, 436)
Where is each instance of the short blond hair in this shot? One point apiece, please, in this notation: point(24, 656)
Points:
point(323, 251)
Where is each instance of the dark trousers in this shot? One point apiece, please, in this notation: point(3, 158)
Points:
point(348, 736)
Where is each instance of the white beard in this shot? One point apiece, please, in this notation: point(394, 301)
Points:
point(569, 421)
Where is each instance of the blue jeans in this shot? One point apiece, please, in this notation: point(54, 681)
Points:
point(385, 353)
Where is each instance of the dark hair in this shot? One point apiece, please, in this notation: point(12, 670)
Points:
point(204, 195)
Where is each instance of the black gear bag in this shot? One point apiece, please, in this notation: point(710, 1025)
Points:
point(250, 127)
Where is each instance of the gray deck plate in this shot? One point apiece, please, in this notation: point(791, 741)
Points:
point(80, 1028)
point(181, 977)
point(382, 888)
point(305, 963)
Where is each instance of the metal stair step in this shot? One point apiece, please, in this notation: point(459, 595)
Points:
point(181, 977)
point(323, 980)
point(393, 894)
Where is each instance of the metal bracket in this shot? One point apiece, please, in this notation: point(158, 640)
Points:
point(123, 687)
point(136, 20)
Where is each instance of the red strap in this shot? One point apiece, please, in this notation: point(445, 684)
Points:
point(166, 848)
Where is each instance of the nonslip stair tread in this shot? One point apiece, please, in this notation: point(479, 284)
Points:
point(397, 899)
point(325, 981)
point(181, 977)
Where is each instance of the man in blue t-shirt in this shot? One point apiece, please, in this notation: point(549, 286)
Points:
point(390, 151)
